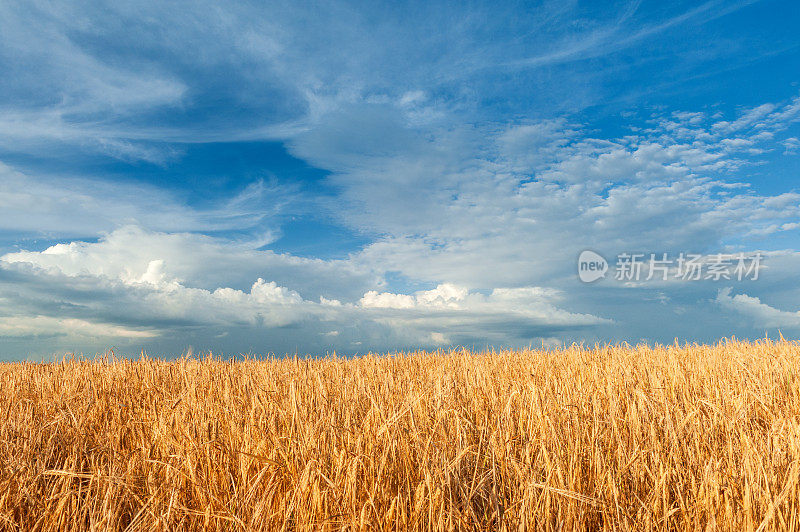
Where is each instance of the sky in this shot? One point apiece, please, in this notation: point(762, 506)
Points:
point(256, 178)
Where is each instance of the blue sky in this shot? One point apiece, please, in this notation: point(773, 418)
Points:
point(282, 177)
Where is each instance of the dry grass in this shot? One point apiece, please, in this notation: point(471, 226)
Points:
point(611, 438)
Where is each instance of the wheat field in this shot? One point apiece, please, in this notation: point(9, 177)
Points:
point(693, 437)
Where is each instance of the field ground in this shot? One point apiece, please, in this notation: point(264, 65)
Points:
point(693, 437)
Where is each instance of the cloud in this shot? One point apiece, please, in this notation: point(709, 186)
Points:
point(761, 314)
point(791, 145)
point(133, 254)
point(133, 282)
point(55, 206)
point(496, 232)
point(37, 326)
point(450, 312)
point(450, 297)
point(460, 142)
point(373, 299)
point(526, 199)
point(122, 79)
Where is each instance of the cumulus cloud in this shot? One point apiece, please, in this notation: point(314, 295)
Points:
point(761, 314)
point(107, 286)
point(373, 299)
point(450, 312)
point(132, 252)
point(533, 302)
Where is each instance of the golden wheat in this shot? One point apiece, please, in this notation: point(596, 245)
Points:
point(691, 437)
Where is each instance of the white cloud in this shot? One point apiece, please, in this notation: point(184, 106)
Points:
point(443, 296)
point(113, 285)
point(761, 314)
point(484, 221)
point(47, 326)
point(132, 253)
point(56, 207)
point(373, 299)
point(451, 314)
point(791, 145)
point(448, 301)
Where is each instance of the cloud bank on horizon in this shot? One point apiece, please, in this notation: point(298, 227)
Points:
point(351, 177)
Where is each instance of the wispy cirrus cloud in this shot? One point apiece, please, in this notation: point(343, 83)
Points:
point(58, 207)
